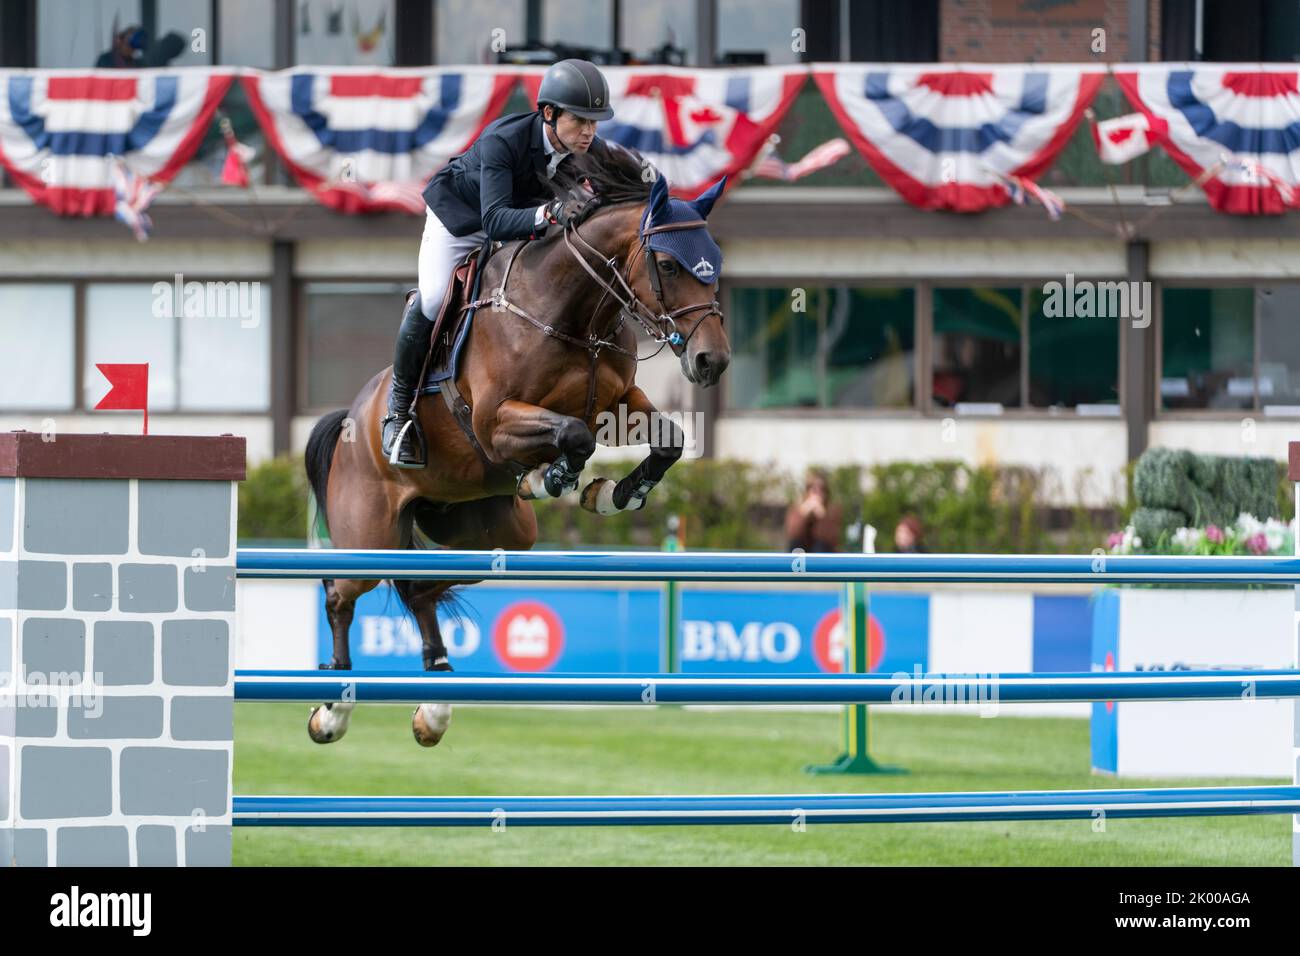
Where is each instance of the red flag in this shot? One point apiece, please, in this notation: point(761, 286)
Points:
point(128, 389)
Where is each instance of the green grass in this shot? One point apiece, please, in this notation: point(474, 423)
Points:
point(530, 751)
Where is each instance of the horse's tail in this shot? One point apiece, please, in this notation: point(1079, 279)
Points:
point(320, 453)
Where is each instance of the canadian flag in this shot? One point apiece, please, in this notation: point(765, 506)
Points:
point(1127, 137)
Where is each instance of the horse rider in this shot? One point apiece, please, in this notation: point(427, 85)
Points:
point(496, 189)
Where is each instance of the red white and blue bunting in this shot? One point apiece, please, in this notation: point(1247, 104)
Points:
point(1235, 128)
point(695, 126)
point(949, 137)
point(366, 140)
point(63, 131)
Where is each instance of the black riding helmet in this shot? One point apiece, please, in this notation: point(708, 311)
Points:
point(576, 86)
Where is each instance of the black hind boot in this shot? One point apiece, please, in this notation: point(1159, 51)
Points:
point(402, 440)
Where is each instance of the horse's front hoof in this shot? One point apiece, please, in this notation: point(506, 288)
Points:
point(328, 722)
point(429, 723)
point(598, 497)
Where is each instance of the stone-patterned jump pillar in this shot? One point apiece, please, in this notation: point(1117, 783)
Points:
point(1294, 474)
point(117, 638)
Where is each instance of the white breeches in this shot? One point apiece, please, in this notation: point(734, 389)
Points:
point(439, 253)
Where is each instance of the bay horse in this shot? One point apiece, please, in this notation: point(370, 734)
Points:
point(551, 351)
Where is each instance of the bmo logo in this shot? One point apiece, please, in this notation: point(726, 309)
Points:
point(528, 636)
point(775, 641)
point(829, 637)
point(385, 636)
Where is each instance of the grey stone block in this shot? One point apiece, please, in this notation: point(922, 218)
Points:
point(8, 585)
point(6, 651)
point(176, 517)
point(128, 718)
point(203, 718)
point(52, 646)
point(123, 652)
point(42, 585)
point(31, 846)
point(146, 587)
point(8, 508)
point(155, 846)
point(92, 846)
point(4, 782)
point(92, 587)
point(196, 653)
point(171, 781)
point(212, 589)
point(76, 516)
point(209, 847)
point(37, 717)
point(65, 782)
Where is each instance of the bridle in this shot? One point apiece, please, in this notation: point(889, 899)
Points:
point(661, 326)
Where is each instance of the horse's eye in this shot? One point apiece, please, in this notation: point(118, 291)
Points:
point(668, 267)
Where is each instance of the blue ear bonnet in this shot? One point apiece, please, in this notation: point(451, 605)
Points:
point(694, 249)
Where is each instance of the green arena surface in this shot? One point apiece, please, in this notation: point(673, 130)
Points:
point(668, 750)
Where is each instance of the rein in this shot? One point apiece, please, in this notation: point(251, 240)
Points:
point(661, 326)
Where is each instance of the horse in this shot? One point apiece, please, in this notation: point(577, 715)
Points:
point(549, 352)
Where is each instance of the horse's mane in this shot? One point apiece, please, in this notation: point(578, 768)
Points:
point(616, 175)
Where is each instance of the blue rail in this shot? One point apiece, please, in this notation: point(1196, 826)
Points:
point(407, 687)
point(784, 809)
point(758, 566)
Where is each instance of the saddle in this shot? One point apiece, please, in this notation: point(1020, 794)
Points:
point(451, 325)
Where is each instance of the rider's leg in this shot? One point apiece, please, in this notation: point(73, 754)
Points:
point(403, 443)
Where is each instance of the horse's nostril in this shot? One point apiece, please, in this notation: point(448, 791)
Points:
point(702, 365)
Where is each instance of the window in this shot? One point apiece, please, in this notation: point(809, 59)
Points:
point(1207, 348)
point(36, 363)
point(977, 350)
point(247, 34)
point(584, 24)
point(661, 32)
point(74, 34)
point(350, 331)
point(355, 33)
point(757, 31)
point(1073, 361)
point(821, 347)
point(1279, 347)
point(464, 28)
point(177, 21)
point(215, 358)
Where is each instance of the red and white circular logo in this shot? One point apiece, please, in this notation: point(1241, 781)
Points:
point(528, 636)
point(828, 642)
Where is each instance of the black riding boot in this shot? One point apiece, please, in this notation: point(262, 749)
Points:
point(402, 441)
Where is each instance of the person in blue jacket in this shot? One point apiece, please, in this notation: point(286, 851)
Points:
point(497, 189)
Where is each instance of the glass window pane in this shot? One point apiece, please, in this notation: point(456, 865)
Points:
point(121, 328)
point(330, 33)
point(74, 34)
point(662, 32)
point(1072, 361)
point(351, 330)
point(177, 21)
point(1279, 345)
point(247, 33)
point(226, 352)
point(773, 348)
point(464, 28)
point(757, 31)
point(1207, 348)
point(578, 23)
point(36, 363)
point(976, 346)
point(870, 340)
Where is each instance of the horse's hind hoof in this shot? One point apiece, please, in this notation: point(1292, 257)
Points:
point(429, 723)
point(328, 722)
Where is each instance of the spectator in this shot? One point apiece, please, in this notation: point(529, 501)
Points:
point(908, 538)
point(124, 54)
point(815, 523)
